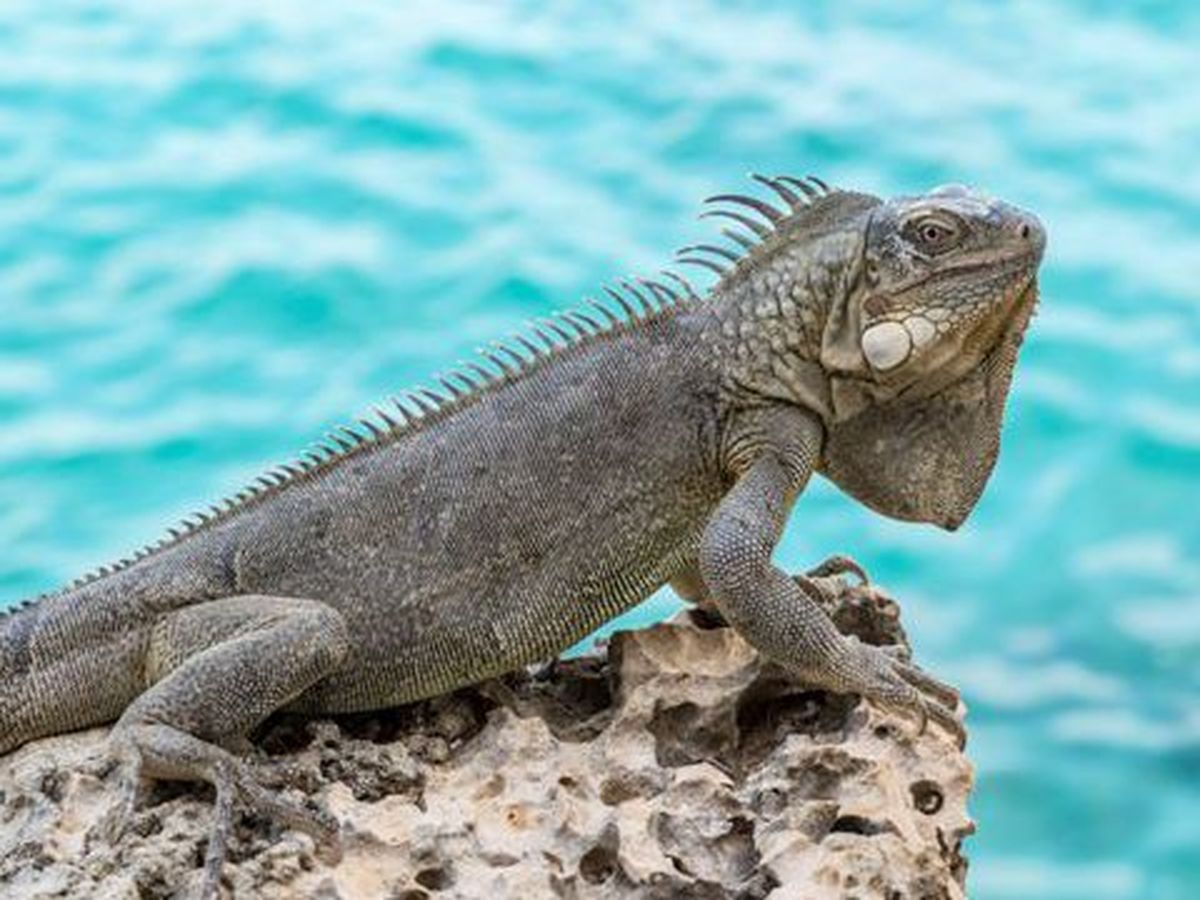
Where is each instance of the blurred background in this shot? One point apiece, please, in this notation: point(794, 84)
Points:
point(227, 226)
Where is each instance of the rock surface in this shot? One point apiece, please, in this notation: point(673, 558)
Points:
point(677, 765)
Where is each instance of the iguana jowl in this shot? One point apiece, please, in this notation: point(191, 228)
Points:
point(660, 438)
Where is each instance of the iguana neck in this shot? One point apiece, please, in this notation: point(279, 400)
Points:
point(768, 318)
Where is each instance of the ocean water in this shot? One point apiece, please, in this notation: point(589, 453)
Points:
point(226, 226)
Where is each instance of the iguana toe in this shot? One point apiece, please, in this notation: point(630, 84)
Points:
point(942, 692)
point(839, 564)
point(115, 821)
point(319, 825)
point(899, 686)
point(949, 721)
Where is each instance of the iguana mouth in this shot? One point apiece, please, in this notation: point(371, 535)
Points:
point(1025, 307)
point(979, 337)
point(1015, 308)
point(1011, 262)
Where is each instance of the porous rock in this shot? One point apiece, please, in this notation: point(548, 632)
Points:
point(674, 763)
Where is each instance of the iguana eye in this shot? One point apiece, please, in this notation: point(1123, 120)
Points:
point(933, 235)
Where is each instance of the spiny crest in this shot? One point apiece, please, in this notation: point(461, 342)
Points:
point(798, 193)
point(637, 301)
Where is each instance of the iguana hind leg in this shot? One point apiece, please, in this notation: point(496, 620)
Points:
point(215, 671)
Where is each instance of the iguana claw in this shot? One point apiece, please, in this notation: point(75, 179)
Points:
point(839, 564)
point(115, 821)
point(902, 687)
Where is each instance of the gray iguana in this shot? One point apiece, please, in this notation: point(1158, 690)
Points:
point(661, 437)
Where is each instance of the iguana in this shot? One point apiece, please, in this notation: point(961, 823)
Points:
point(661, 437)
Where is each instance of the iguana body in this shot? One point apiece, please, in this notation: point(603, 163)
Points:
point(496, 522)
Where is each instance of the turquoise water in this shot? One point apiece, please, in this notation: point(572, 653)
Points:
point(226, 226)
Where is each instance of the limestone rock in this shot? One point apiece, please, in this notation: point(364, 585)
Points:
point(678, 764)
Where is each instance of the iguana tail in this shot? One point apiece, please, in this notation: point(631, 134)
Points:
point(77, 658)
point(53, 678)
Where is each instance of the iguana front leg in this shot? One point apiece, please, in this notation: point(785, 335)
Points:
point(781, 615)
point(688, 585)
point(214, 671)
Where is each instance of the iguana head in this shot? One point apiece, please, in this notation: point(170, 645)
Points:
point(920, 349)
point(897, 322)
point(940, 276)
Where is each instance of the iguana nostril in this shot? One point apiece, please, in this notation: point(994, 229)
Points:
point(1031, 231)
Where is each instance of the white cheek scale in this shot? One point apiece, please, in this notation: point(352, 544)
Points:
point(886, 345)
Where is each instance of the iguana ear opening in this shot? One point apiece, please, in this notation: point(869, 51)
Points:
point(841, 347)
point(843, 356)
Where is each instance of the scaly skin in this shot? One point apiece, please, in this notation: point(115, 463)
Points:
point(872, 342)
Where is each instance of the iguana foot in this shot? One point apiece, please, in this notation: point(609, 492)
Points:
point(216, 670)
point(883, 675)
point(838, 564)
point(160, 751)
point(946, 694)
point(130, 792)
